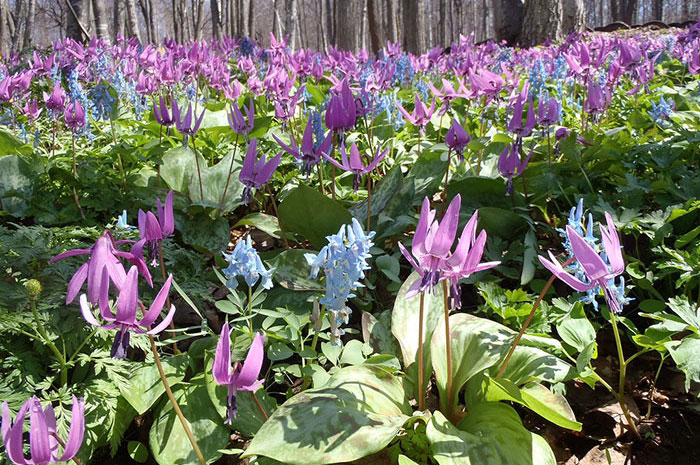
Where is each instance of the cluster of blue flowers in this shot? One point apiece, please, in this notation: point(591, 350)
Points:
point(537, 77)
point(102, 101)
point(77, 93)
point(586, 232)
point(245, 261)
point(344, 261)
point(662, 111)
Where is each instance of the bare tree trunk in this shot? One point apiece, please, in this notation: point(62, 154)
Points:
point(198, 18)
point(623, 10)
point(347, 33)
point(374, 24)
point(508, 14)
point(215, 19)
point(414, 26)
point(542, 21)
point(323, 42)
point(29, 24)
point(251, 18)
point(276, 26)
point(330, 23)
point(4, 35)
point(101, 24)
point(574, 16)
point(290, 22)
point(657, 10)
point(73, 17)
point(132, 20)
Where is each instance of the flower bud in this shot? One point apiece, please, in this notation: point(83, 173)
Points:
point(33, 288)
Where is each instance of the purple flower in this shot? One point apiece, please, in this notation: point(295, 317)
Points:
point(308, 155)
point(355, 164)
point(43, 435)
point(457, 138)
point(153, 230)
point(57, 100)
point(516, 122)
point(185, 124)
point(597, 101)
point(240, 124)
point(104, 255)
point(341, 113)
point(597, 272)
point(421, 114)
point(548, 111)
point(255, 174)
point(241, 377)
point(162, 114)
point(74, 115)
point(510, 165)
point(128, 303)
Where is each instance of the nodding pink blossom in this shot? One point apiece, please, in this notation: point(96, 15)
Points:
point(31, 109)
point(128, 304)
point(598, 99)
point(421, 113)
point(457, 138)
point(431, 252)
point(355, 164)
point(162, 114)
point(186, 124)
point(341, 113)
point(485, 83)
point(56, 101)
point(242, 377)
point(598, 273)
point(104, 255)
point(548, 111)
point(74, 115)
point(515, 125)
point(43, 434)
point(153, 230)
point(447, 94)
point(510, 166)
point(238, 123)
point(309, 154)
point(255, 174)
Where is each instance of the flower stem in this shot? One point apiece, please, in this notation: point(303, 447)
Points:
point(228, 179)
point(623, 373)
point(447, 176)
point(652, 390)
point(448, 351)
point(42, 331)
point(176, 406)
point(421, 387)
point(529, 319)
point(199, 171)
point(167, 297)
point(75, 177)
point(277, 214)
point(369, 201)
point(314, 341)
point(63, 444)
point(259, 405)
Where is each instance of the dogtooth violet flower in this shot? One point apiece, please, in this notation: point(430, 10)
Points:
point(244, 261)
point(355, 164)
point(457, 138)
point(104, 255)
point(238, 123)
point(341, 112)
point(309, 154)
point(511, 166)
point(344, 261)
point(43, 434)
point(431, 250)
point(124, 321)
point(153, 230)
point(421, 114)
point(74, 115)
point(255, 174)
point(55, 101)
point(242, 377)
point(598, 270)
point(164, 116)
point(186, 124)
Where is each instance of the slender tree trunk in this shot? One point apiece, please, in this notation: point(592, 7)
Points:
point(29, 24)
point(347, 33)
point(290, 22)
point(658, 10)
point(4, 35)
point(574, 16)
point(374, 25)
point(330, 23)
point(251, 18)
point(72, 26)
point(508, 15)
point(132, 21)
point(414, 26)
point(542, 21)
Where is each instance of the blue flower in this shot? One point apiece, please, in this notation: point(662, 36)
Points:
point(662, 111)
point(344, 261)
point(245, 261)
point(122, 222)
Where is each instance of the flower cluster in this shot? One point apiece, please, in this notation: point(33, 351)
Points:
point(344, 261)
point(245, 261)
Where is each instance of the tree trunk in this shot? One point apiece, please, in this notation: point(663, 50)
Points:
point(623, 10)
point(374, 25)
point(132, 20)
point(101, 25)
point(251, 18)
point(508, 15)
point(29, 24)
point(330, 23)
point(542, 21)
point(215, 19)
point(414, 26)
point(4, 35)
point(574, 16)
point(73, 29)
point(290, 22)
point(657, 12)
point(347, 33)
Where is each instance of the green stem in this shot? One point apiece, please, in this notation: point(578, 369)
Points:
point(82, 344)
point(250, 309)
point(314, 341)
point(652, 390)
point(228, 179)
point(421, 387)
point(199, 171)
point(176, 351)
point(448, 352)
point(57, 353)
point(623, 373)
point(176, 407)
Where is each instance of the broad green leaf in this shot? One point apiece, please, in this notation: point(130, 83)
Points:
point(575, 329)
point(688, 312)
point(179, 168)
point(584, 358)
point(476, 344)
point(205, 234)
point(501, 222)
point(9, 144)
point(404, 327)
point(388, 187)
point(145, 387)
point(168, 441)
point(478, 192)
point(536, 397)
point(687, 358)
point(314, 216)
point(221, 188)
point(403, 460)
point(262, 221)
point(529, 258)
point(490, 434)
point(137, 451)
point(292, 270)
point(357, 413)
point(532, 364)
point(16, 184)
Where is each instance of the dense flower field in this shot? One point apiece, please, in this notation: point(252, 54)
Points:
point(215, 251)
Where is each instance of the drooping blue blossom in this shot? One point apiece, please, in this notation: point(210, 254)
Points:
point(344, 261)
point(537, 77)
point(662, 111)
point(122, 222)
point(244, 261)
point(102, 102)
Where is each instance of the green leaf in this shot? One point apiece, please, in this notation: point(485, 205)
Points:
point(536, 397)
point(501, 222)
point(353, 353)
point(584, 358)
point(404, 327)
point(529, 258)
point(685, 354)
point(292, 271)
point(357, 413)
point(167, 439)
point(476, 344)
point(389, 265)
point(9, 144)
point(490, 434)
point(388, 187)
point(137, 451)
point(145, 386)
point(532, 364)
point(403, 460)
point(687, 311)
point(312, 215)
point(217, 180)
point(16, 184)
point(478, 192)
point(179, 168)
point(575, 329)
point(262, 221)
point(205, 234)
point(279, 351)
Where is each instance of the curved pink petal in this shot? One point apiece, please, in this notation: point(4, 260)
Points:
point(13, 436)
point(253, 363)
point(221, 369)
point(76, 282)
point(157, 304)
point(590, 261)
point(86, 310)
point(556, 269)
point(165, 323)
point(128, 299)
point(39, 445)
point(77, 430)
point(611, 243)
point(426, 218)
point(70, 253)
point(447, 229)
